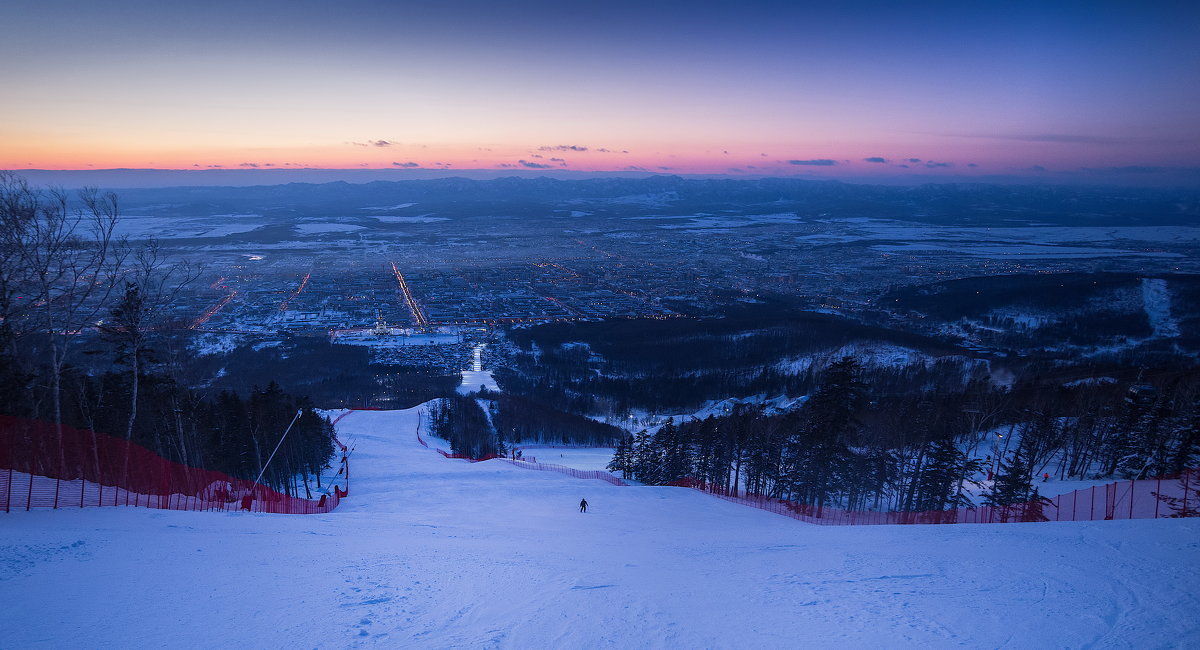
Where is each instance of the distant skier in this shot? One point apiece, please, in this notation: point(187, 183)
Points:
point(1045, 476)
point(583, 505)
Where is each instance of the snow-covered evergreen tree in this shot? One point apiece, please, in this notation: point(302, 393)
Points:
point(623, 460)
point(1014, 492)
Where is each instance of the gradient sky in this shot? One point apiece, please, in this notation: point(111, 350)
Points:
point(751, 88)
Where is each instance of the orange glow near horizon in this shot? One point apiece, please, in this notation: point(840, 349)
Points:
point(796, 90)
point(371, 154)
point(802, 154)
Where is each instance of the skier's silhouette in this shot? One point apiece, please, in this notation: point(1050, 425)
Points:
point(583, 505)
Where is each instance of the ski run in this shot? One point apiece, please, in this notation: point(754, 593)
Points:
point(429, 552)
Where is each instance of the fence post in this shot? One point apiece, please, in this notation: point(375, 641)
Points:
point(1092, 504)
point(82, 490)
point(57, 484)
point(1131, 488)
point(8, 493)
point(1157, 497)
point(1186, 478)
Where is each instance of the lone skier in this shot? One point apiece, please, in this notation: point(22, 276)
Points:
point(583, 505)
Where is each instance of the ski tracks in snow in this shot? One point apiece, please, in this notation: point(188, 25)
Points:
point(436, 553)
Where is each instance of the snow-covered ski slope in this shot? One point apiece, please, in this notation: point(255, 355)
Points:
point(435, 553)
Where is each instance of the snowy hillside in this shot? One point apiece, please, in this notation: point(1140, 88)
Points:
point(1157, 300)
point(435, 553)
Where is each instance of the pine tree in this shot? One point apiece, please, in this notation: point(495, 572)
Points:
point(708, 464)
point(936, 479)
point(622, 460)
point(645, 458)
point(1013, 483)
point(819, 455)
point(1014, 493)
point(675, 459)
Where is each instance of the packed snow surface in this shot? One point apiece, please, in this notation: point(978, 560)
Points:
point(435, 553)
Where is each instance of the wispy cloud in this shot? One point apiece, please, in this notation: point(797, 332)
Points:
point(934, 165)
point(248, 165)
point(406, 164)
point(1141, 169)
point(818, 162)
point(533, 165)
point(1064, 138)
point(563, 147)
point(875, 159)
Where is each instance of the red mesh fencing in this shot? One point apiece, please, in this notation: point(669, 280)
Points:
point(467, 457)
point(46, 466)
point(1166, 496)
point(569, 471)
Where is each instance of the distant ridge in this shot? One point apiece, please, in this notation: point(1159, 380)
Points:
point(129, 178)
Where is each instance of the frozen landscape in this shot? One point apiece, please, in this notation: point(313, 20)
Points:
point(434, 553)
point(776, 314)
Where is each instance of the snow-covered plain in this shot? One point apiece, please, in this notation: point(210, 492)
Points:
point(217, 225)
point(435, 553)
point(322, 228)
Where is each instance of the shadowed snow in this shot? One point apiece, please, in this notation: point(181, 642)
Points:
point(435, 553)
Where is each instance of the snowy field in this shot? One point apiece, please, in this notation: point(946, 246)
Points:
point(218, 225)
point(436, 553)
point(322, 228)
